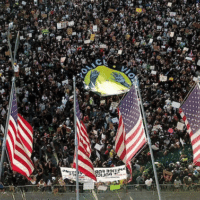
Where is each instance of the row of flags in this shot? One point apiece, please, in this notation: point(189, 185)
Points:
point(129, 140)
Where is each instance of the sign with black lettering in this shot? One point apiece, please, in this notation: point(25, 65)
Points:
point(103, 174)
point(105, 79)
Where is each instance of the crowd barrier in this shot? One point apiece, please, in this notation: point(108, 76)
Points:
point(105, 189)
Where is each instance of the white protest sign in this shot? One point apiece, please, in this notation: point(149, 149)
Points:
point(172, 14)
point(176, 104)
point(180, 126)
point(198, 63)
point(23, 3)
point(156, 127)
point(195, 79)
point(152, 67)
point(62, 59)
point(98, 155)
point(95, 28)
point(159, 27)
point(103, 174)
point(153, 72)
point(185, 49)
point(113, 105)
point(171, 34)
point(188, 58)
point(10, 25)
point(169, 4)
point(30, 35)
point(39, 37)
point(102, 187)
point(103, 46)
point(150, 41)
point(59, 26)
point(163, 78)
point(59, 38)
point(87, 41)
point(182, 142)
point(65, 82)
point(21, 37)
point(98, 147)
point(179, 38)
point(115, 120)
point(35, 2)
point(102, 102)
point(119, 52)
point(88, 185)
point(71, 23)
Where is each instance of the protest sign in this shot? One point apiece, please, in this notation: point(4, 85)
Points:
point(98, 147)
point(103, 174)
point(172, 34)
point(62, 59)
point(95, 28)
point(102, 102)
point(188, 58)
point(180, 126)
point(172, 14)
point(69, 31)
point(87, 41)
point(102, 187)
point(169, 4)
point(71, 23)
point(195, 79)
point(115, 120)
point(138, 10)
point(88, 185)
point(163, 78)
point(113, 105)
point(119, 52)
point(114, 187)
point(176, 104)
point(64, 82)
point(92, 37)
point(98, 155)
point(103, 46)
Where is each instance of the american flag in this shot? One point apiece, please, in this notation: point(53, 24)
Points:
point(19, 141)
point(84, 149)
point(190, 113)
point(130, 134)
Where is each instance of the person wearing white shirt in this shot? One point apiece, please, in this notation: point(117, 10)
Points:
point(16, 69)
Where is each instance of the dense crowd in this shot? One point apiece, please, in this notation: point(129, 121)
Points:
point(159, 42)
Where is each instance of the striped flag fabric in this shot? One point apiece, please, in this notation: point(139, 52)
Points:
point(84, 148)
point(190, 113)
point(19, 141)
point(130, 136)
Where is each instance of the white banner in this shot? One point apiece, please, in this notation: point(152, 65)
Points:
point(103, 174)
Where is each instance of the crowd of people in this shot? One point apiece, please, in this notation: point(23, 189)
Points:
point(159, 41)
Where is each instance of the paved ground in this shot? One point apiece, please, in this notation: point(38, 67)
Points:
point(144, 195)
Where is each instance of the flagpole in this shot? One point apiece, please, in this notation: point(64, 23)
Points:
point(149, 140)
point(6, 128)
point(76, 141)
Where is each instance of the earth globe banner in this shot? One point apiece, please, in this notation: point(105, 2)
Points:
point(105, 79)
